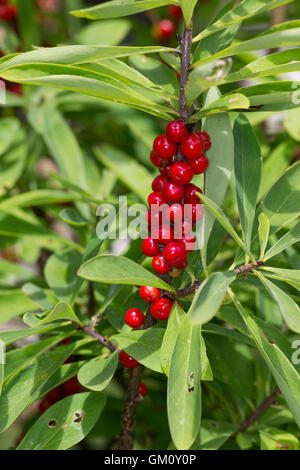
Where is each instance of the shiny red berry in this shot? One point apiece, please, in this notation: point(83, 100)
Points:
point(156, 198)
point(177, 131)
point(143, 390)
point(149, 293)
point(161, 308)
point(176, 211)
point(134, 317)
point(127, 361)
point(173, 192)
point(8, 12)
point(189, 243)
point(192, 146)
point(190, 192)
point(164, 170)
point(175, 12)
point(193, 210)
point(205, 139)
point(174, 253)
point(164, 147)
point(155, 159)
point(199, 165)
point(164, 30)
point(181, 172)
point(150, 247)
point(159, 265)
point(159, 182)
point(71, 386)
point(163, 234)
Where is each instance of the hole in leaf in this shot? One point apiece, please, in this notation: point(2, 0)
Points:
point(52, 423)
point(191, 383)
point(78, 416)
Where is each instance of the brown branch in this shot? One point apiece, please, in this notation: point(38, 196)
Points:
point(126, 439)
point(248, 268)
point(98, 337)
point(188, 290)
point(258, 412)
point(186, 46)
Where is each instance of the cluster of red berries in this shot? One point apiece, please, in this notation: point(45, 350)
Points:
point(179, 155)
point(8, 11)
point(165, 29)
point(70, 387)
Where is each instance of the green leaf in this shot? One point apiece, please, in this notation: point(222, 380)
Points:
point(282, 35)
point(277, 439)
point(65, 423)
point(283, 371)
point(10, 337)
point(175, 319)
point(119, 8)
point(188, 7)
point(263, 233)
point(283, 243)
point(184, 391)
point(213, 434)
point(38, 295)
point(143, 345)
point(244, 10)
point(221, 156)
point(104, 33)
point(16, 395)
point(247, 169)
point(38, 197)
point(98, 372)
point(284, 274)
point(9, 127)
point(72, 217)
point(13, 162)
point(234, 101)
point(288, 308)
point(222, 219)
point(132, 174)
point(110, 269)
point(280, 204)
point(209, 297)
point(61, 273)
point(62, 311)
point(291, 121)
point(14, 303)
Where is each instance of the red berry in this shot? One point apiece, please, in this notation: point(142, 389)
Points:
point(199, 165)
point(192, 146)
point(156, 198)
point(8, 12)
point(134, 317)
point(190, 192)
point(174, 253)
point(181, 172)
point(177, 131)
point(173, 192)
point(71, 386)
point(159, 265)
point(164, 170)
point(161, 308)
point(44, 405)
point(163, 30)
point(176, 211)
point(155, 159)
point(164, 148)
point(182, 265)
point(19, 439)
point(175, 12)
point(127, 361)
point(150, 247)
point(163, 234)
point(143, 390)
point(149, 293)
point(189, 243)
point(159, 182)
point(55, 394)
point(205, 139)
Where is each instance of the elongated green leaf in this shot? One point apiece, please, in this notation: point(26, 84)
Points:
point(213, 434)
point(62, 311)
point(280, 204)
point(110, 269)
point(65, 423)
point(131, 173)
point(38, 197)
point(14, 303)
point(97, 373)
point(143, 345)
point(221, 217)
point(17, 394)
point(224, 103)
point(288, 308)
point(175, 319)
point(209, 297)
point(9, 337)
point(274, 439)
point(9, 126)
point(221, 156)
point(244, 10)
point(188, 9)
point(283, 243)
point(283, 35)
point(104, 33)
point(247, 169)
point(13, 162)
point(283, 371)
point(263, 233)
point(119, 8)
point(184, 391)
point(38, 295)
point(285, 274)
